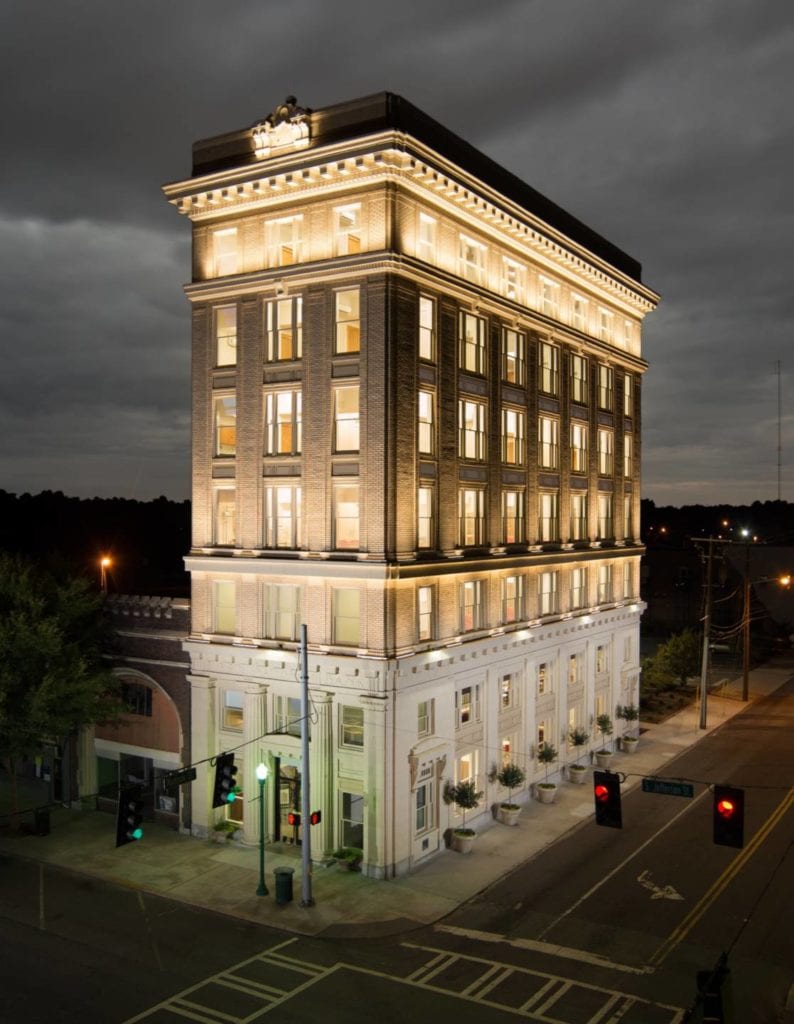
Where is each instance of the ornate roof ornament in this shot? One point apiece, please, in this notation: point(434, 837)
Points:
point(287, 128)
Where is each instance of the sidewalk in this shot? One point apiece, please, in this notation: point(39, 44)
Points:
point(224, 878)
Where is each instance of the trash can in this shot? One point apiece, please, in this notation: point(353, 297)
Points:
point(41, 821)
point(284, 884)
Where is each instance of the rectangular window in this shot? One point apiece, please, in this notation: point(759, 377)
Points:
point(628, 519)
point(606, 387)
point(425, 807)
point(574, 669)
point(628, 581)
point(347, 229)
point(579, 312)
point(347, 617)
point(224, 606)
point(548, 593)
point(427, 328)
point(578, 447)
point(424, 612)
point(602, 662)
point(628, 334)
point(232, 709)
point(281, 611)
point(544, 682)
point(605, 320)
point(513, 603)
point(508, 692)
point(471, 260)
point(548, 442)
point(548, 368)
point(548, 516)
point(346, 418)
point(351, 826)
point(352, 726)
point(549, 297)
point(472, 342)
point(606, 525)
point(471, 516)
point(426, 239)
point(225, 417)
point(506, 748)
point(225, 517)
point(282, 423)
point(606, 460)
point(472, 612)
point(284, 241)
point(224, 252)
point(226, 336)
point(426, 403)
point(578, 589)
point(467, 703)
point(348, 322)
point(513, 437)
point(604, 583)
point(514, 366)
point(578, 516)
point(628, 395)
point(425, 527)
point(285, 329)
point(628, 446)
point(425, 714)
point(513, 278)
point(471, 429)
point(513, 531)
point(287, 716)
point(579, 379)
point(627, 650)
point(346, 517)
point(282, 516)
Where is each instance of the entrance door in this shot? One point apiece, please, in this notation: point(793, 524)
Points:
point(289, 799)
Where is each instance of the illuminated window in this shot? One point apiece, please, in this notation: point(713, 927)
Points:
point(282, 423)
point(287, 716)
point(425, 524)
point(225, 425)
point(472, 342)
point(472, 613)
point(574, 669)
point(467, 703)
point(549, 297)
point(628, 334)
point(426, 239)
point(471, 517)
point(425, 715)
point(348, 322)
point(352, 726)
point(347, 229)
point(548, 516)
point(471, 260)
point(579, 379)
point(548, 368)
point(578, 447)
point(471, 429)
point(513, 603)
point(226, 336)
point(543, 734)
point(578, 516)
point(513, 278)
point(606, 387)
point(224, 252)
point(346, 617)
point(513, 517)
point(514, 367)
point(346, 517)
point(628, 395)
point(284, 329)
point(506, 748)
point(606, 526)
point(605, 325)
point(628, 581)
point(225, 517)
point(578, 588)
point(424, 612)
point(548, 593)
point(579, 312)
point(628, 449)
point(508, 691)
point(543, 678)
point(604, 588)
point(426, 417)
point(605, 453)
point(281, 611)
point(346, 418)
point(602, 659)
point(628, 519)
point(425, 807)
point(427, 328)
point(351, 823)
point(284, 241)
point(232, 710)
point(513, 437)
point(282, 516)
point(548, 442)
point(224, 606)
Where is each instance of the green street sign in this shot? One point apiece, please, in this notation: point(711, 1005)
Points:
point(667, 788)
point(179, 778)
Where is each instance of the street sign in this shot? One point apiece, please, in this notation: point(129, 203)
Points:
point(179, 778)
point(667, 788)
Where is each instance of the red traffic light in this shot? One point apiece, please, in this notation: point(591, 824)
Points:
point(728, 816)
point(316, 817)
point(601, 794)
point(293, 818)
point(727, 808)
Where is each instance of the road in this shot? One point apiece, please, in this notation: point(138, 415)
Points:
point(605, 926)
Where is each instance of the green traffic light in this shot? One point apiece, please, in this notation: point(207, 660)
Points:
point(137, 833)
point(230, 798)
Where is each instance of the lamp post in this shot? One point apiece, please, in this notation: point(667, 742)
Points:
point(261, 775)
point(104, 564)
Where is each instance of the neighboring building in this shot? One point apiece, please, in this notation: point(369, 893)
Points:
point(416, 428)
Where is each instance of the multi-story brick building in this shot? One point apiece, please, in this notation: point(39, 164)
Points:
point(416, 428)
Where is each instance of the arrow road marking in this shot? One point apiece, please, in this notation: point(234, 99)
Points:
point(665, 893)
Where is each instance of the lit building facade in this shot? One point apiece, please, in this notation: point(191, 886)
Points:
point(416, 428)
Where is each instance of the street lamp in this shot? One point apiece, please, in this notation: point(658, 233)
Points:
point(261, 775)
point(104, 564)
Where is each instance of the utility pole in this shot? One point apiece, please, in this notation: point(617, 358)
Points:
point(306, 843)
point(704, 665)
point(746, 625)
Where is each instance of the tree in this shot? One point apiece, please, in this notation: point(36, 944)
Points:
point(675, 660)
point(53, 679)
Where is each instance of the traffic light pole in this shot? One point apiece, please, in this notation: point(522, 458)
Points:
point(704, 668)
point(306, 843)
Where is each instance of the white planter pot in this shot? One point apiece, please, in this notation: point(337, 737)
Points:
point(508, 815)
point(463, 843)
point(546, 792)
point(603, 758)
point(630, 744)
point(576, 773)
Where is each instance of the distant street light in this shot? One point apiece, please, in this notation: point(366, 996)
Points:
point(104, 564)
point(261, 775)
point(783, 580)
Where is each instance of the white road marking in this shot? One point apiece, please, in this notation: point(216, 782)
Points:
point(665, 893)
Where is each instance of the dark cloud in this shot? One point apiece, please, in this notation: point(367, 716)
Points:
point(665, 127)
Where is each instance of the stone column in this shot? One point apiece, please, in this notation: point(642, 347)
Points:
point(377, 822)
point(203, 744)
point(321, 774)
point(254, 726)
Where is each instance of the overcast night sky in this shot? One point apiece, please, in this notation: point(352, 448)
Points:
point(667, 127)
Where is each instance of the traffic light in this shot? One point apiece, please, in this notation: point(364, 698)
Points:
point(714, 993)
point(606, 791)
point(294, 819)
point(130, 816)
point(728, 815)
point(225, 780)
point(316, 817)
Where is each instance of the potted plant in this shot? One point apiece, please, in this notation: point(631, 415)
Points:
point(577, 738)
point(223, 830)
point(511, 776)
point(629, 713)
point(466, 797)
point(603, 756)
point(348, 857)
point(547, 754)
